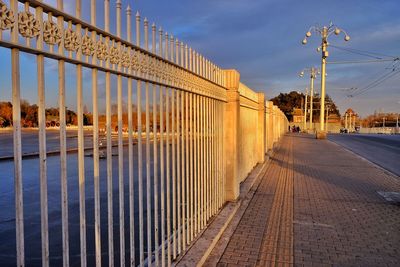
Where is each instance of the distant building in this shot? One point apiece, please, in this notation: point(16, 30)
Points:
point(298, 115)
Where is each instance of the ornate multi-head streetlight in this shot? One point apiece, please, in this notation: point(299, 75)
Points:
point(324, 32)
point(313, 74)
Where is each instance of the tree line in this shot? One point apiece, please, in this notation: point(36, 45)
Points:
point(29, 115)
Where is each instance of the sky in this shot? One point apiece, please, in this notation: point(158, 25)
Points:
point(262, 40)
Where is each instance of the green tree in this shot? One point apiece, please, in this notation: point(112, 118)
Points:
point(287, 102)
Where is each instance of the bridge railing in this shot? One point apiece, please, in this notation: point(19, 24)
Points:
point(197, 134)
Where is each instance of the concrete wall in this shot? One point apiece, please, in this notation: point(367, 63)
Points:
point(380, 130)
point(251, 129)
point(248, 131)
point(332, 127)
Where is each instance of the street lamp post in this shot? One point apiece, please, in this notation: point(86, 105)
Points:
point(313, 74)
point(324, 32)
point(327, 116)
point(305, 111)
point(350, 124)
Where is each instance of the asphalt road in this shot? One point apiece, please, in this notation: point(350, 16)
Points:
point(383, 150)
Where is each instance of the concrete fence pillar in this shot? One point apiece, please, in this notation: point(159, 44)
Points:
point(275, 123)
point(270, 129)
point(231, 132)
point(261, 128)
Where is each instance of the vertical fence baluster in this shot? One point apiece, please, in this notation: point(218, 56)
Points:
point(176, 47)
point(168, 174)
point(140, 153)
point(203, 168)
point(162, 161)
point(187, 168)
point(42, 145)
point(96, 174)
point(178, 167)
point(190, 59)
point(81, 156)
point(207, 153)
point(214, 160)
point(16, 112)
point(183, 172)
point(148, 156)
point(130, 149)
point(210, 154)
point(63, 143)
point(221, 152)
point(109, 143)
point(155, 158)
point(182, 55)
point(218, 142)
point(173, 130)
point(195, 163)
point(162, 175)
point(191, 158)
point(120, 145)
point(206, 185)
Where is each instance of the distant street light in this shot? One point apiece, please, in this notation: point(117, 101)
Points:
point(327, 117)
point(313, 74)
point(324, 32)
point(305, 111)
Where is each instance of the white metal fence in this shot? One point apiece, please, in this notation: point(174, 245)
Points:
point(173, 158)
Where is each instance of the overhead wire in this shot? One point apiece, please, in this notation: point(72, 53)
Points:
point(376, 82)
point(378, 57)
point(363, 52)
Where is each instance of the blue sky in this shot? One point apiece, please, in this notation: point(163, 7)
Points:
point(262, 40)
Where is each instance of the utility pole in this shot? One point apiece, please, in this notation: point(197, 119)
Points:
point(327, 116)
point(345, 121)
point(324, 32)
point(350, 124)
point(313, 74)
point(305, 111)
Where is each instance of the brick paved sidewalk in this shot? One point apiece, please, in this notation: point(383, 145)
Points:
point(317, 205)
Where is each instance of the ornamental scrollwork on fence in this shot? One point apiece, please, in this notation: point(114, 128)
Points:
point(126, 59)
point(152, 66)
point(71, 40)
point(161, 71)
point(143, 64)
point(101, 50)
point(51, 33)
point(88, 46)
point(115, 55)
point(135, 61)
point(6, 17)
point(28, 26)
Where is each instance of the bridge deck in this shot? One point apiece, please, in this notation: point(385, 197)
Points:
point(316, 204)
